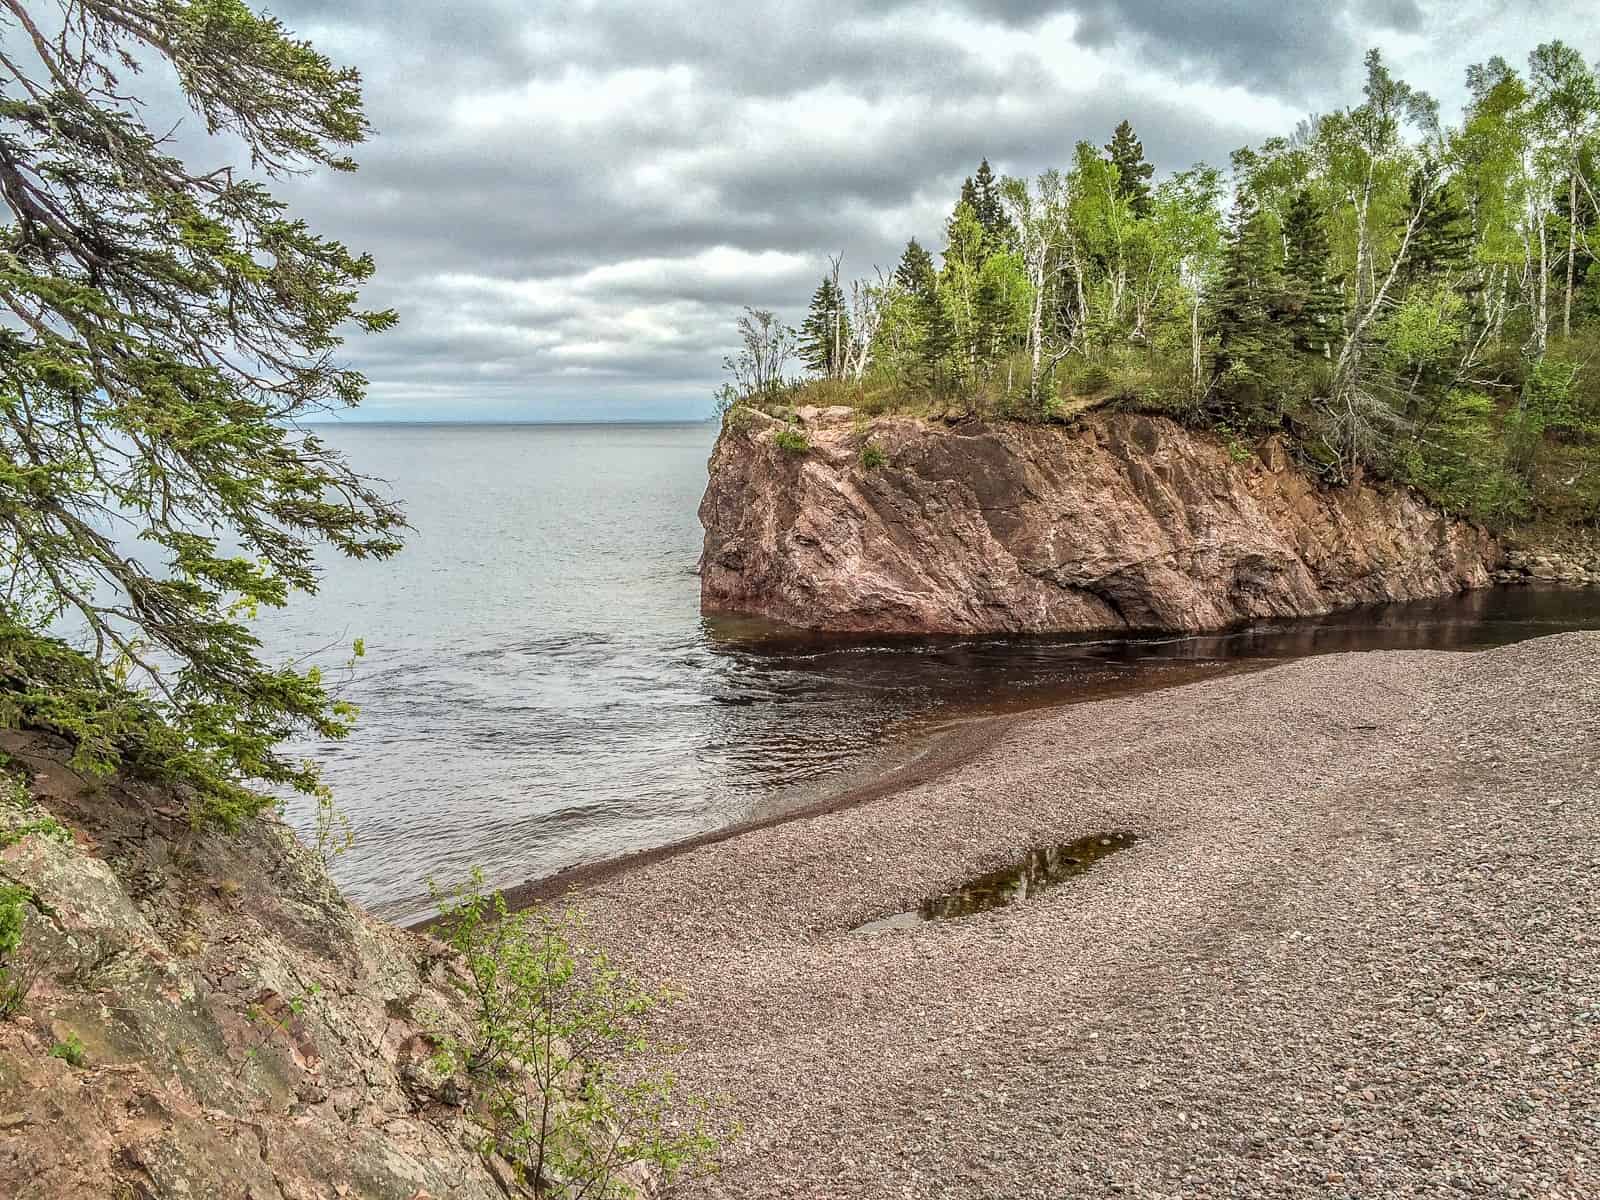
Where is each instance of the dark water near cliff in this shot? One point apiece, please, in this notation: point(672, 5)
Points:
point(539, 688)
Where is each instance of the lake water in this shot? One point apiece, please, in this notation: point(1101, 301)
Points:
point(539, 688)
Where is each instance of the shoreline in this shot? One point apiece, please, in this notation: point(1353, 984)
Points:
point(916, 760)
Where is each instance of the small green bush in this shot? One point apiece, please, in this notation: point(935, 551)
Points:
point(1088, 378)
point(559, 1053)
point(15, 980)
point(872, 457)
point(70, 1051)
point(792, 441)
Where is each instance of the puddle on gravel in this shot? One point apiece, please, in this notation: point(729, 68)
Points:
point(1042, 867)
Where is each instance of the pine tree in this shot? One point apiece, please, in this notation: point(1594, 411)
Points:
point(1249, 343)
point(915, 272)
point(826, 330)
point(999, 234)
point(969, 195)
point(1313, 302)
point(938, 335)
point(935, 336)
point(1443, 238)
point(1126, 152)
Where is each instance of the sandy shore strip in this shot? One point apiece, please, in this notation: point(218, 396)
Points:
point(1355, 952)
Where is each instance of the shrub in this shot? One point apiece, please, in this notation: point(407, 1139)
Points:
point(70, 1051)
point(872, 457)
point(15, 981)
point(1087, 378)
point(557, 1047)
point(792, 441)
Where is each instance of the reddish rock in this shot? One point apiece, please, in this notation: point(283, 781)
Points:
point(1124, 522)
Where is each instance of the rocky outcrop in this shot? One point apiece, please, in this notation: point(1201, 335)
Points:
point(1575, 563)
point(208, 1017)
point(1124, 522)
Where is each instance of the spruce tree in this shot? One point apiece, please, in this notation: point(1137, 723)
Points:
point(1126, 152)
point(1313, 301)
point(1249, 343)
point(969, 195)
point(935, 335)
point(938, 336)
point(915, 271)
point(999, 234)
point(1443, 238)
point(826, 330)
point(169, 328)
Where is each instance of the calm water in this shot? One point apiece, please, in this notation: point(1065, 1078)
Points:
point(539, 688)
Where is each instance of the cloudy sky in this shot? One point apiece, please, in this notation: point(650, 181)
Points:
point(569, 201)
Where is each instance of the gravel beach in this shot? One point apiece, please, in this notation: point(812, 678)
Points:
point(1354, 952)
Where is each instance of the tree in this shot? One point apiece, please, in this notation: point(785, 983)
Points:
point(825, 333)
point(1490, 151)
point(915, 269)
point(1567, 111)
point(929, 325)
point(1103, 232)
point(1443, 240)
point(1186, 228)
point(1249, 343)
point(566, 1078)
point(1000, 236)
point(1126, 152)
point(1313, 301)
point(168, 328)
point(959, 284)
point(758, 368)
point(1039, 214)
point(1369, 158)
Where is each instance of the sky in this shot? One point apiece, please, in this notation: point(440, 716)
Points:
point(570, 202)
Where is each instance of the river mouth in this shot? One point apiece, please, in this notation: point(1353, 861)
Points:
point(1039, 870)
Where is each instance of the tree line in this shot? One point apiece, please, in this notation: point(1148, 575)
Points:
point(1395, 293)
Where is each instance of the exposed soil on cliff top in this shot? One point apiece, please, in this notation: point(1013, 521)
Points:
point(1353, 951)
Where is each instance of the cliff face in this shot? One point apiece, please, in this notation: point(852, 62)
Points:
point(242, 1030)
point(1127, 522)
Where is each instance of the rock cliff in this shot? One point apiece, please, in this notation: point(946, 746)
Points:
point(1123, 522)
point(208, 1017)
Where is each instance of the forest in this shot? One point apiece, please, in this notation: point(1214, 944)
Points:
point(1395, 294)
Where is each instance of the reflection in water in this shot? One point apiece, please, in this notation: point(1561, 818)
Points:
point(1041, 868)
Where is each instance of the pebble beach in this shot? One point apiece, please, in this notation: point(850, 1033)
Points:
point(1354, 950)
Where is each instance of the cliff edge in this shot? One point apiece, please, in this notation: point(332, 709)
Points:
point(1125, 521)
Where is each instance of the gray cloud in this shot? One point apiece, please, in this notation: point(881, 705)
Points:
point(569, 203)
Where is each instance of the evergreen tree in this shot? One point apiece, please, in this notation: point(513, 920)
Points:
point(169, 326)
point(915, 272)
point(1126, 152)
point(826, 330)
point(1443, 238)
point(1313, 301)
point(938, 336)
point(1249, 342)
point(969, 194)
point(999, 234)
point(935, 335)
